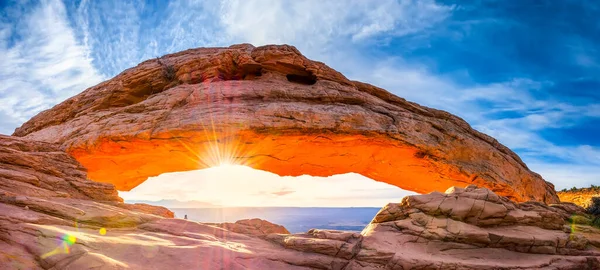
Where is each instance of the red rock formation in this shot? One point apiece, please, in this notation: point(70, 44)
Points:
point(473, 228)
point(149, 209)
point(253, 227)
point(272, 109)
point(43, 228)
point(42, 170)
point(41, 176)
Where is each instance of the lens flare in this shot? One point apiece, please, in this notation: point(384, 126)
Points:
point(64, 248)
point(69, 239)
point(221, 144)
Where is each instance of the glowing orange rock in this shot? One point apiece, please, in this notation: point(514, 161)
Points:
point(272, 109)
point(582, 196)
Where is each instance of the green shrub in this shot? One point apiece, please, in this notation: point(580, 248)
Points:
point(168, 71)
point(594, 210)
point(581, 220)
point(596, 222)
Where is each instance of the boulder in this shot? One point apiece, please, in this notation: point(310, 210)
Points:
point(254, 227)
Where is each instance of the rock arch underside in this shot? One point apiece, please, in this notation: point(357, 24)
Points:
point(273, 109)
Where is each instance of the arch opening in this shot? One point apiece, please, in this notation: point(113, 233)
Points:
point(128, 163)
point(228, 193)
point(242, 186)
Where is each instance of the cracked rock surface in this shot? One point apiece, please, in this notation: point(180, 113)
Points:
point(53, 217)
point(273, 109)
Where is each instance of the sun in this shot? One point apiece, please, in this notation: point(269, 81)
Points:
point(226, 164)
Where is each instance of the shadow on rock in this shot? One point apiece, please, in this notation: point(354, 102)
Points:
point(594, 210)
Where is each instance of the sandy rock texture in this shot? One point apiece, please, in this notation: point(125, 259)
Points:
point(273, 109)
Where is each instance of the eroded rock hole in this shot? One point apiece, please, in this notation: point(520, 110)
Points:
point(302, 79)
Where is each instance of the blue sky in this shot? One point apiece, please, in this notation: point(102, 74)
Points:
point(523, 72)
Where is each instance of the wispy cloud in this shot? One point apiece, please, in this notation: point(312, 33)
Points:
point(41, 62)
point(319, 28)
point(114, 48)
point(125, 33)
point(244, 186)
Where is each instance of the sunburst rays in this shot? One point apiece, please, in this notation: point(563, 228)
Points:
point(218, 141)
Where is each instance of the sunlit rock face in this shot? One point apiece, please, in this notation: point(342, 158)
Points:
point(272, 109)
point(253, 227)
point(582, 197)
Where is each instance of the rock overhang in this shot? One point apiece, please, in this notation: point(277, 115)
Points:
point(273, 109)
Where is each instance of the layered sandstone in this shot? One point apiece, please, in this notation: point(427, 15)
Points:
point(42, 170)
point(473, 228)
point(43, 178)
point(273, 109)
point(254, 227)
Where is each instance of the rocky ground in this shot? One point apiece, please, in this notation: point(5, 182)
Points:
point(52, 217)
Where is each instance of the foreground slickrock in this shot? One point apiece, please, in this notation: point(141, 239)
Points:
point(273, 109)
point(52, 217)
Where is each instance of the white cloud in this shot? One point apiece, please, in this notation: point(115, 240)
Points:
point(125, 33)
point(236, 185)
point(319, 27)
point(567, 175)
point(111, 29)
point(45, 66)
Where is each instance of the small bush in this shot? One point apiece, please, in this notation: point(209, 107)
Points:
point(168, 71)
point(594, 208)
point(596, 222)
point(581, 220)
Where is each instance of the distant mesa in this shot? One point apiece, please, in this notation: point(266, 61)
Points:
point(273, 109)
point(580, 196)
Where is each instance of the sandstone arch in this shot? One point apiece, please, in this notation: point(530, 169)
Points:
point(273, 109)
